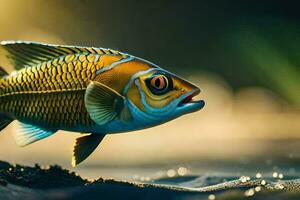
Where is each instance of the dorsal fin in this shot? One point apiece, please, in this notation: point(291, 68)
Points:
point(25, 53)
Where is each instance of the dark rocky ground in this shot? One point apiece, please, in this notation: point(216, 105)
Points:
point(21, 182)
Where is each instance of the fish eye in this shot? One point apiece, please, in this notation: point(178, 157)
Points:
point(159, 84)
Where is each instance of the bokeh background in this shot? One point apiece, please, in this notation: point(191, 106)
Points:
point(244, 55)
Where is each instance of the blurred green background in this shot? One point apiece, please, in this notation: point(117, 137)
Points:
point(248, 43)
point(244, 55)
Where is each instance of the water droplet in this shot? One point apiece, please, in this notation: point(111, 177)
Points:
point(275, 175)
point(249, 192)
point(258, 175)
point(279, 186)
point(171, 173)
point(244, 179)
point(263, 182)
point(211, 197)
point(182, 171)
point(257, 189)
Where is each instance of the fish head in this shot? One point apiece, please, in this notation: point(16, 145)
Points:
point(151, 94)
point(159, 96)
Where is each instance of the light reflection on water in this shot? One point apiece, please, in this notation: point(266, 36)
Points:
point(214, 175)
point(279, 161)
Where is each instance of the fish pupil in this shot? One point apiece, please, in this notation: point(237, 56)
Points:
point(157, 82)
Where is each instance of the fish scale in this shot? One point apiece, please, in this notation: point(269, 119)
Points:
point(51, 93)
point(52, 76)
point(55, 109)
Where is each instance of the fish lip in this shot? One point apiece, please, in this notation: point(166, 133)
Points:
point(186, 100)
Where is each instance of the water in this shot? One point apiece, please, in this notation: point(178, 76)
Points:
point(269, 174)
point(272, 175)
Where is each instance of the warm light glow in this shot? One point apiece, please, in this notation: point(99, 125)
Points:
point(236, 122)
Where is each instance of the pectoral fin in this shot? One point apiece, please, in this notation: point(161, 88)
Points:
point(29, 134)
point(84, 146)
point(102, 102)
point(125, 114)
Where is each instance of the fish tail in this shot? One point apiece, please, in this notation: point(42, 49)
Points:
point(4, 121)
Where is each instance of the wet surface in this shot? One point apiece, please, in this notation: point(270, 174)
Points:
point(36, 177)
point(53, 182)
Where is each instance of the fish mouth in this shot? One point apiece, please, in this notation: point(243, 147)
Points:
point(188, 101)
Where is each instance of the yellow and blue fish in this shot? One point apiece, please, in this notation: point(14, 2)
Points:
point(95, 91)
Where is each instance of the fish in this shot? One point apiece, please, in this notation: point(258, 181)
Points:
point(88, 90)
